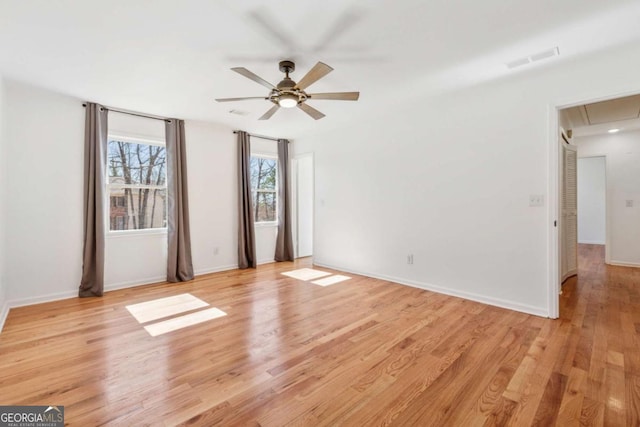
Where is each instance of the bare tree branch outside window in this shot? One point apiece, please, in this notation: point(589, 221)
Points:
point(137, 185)
point(263, 187)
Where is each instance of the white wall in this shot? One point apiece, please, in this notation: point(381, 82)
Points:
point(43, 201)
point(4, 308)
point(592, 200)
point(213, 198)
point(448, 180)
point(44, 150)
point(623, 183)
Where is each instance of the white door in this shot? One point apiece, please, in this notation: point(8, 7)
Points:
point(569, 214)
point(304, 205)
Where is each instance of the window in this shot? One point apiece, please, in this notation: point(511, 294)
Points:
point(117, 202)
point(264, 186)
point(137, 184)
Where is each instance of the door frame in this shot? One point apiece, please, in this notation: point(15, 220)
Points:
point(553, 212)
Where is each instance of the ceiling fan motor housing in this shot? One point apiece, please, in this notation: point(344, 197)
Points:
point(287, 66)
point(287, 87)
point(286, 84)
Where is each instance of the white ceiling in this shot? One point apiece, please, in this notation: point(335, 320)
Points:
point(173, 58)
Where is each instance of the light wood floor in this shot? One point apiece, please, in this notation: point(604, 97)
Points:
point(363, 352)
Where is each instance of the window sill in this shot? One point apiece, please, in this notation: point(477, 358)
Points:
point(136, 233)
point(265, 224)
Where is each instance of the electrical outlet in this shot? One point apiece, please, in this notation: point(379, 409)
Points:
point(629, 203)
point(410, 259)
point(216, 250)
point(536, 200)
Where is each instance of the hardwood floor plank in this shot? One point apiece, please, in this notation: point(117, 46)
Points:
point(615, 407)
point(571, 407)
point(501, 414)
point(363, 352)
point(592, 413)
point(469, 358)
point(549, 407)
point(491, 396)
point(633, 397)
point(533, 392)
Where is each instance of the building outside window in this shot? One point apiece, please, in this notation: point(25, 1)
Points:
point(137, 184)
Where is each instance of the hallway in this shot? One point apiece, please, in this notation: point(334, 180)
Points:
point(601, 363)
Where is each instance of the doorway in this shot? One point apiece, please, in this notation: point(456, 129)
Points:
point(303, 197)
point(606, 135)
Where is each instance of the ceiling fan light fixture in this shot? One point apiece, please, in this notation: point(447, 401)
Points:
point(287, 100)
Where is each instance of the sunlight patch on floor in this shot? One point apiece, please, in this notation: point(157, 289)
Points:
point(321, 279)
point(176, 323)
point(165, 307)
point(331, 280)
point(306, 274)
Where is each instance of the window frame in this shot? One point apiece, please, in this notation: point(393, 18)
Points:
point(146, 140)
point(273, 223)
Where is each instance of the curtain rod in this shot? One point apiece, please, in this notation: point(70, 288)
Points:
point(132, 113)
point(259, 136)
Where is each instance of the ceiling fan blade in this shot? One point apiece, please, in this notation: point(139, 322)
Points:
point(248, 74)
point(240, 99)
point(272, 28)
point(317, 115)
point(345, 21)
point(271, 112)
point(256, 59)
point(338, 96)
point(316, 73)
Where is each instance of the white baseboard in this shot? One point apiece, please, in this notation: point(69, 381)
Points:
point(4, 312)
point(21, 302)
point(524, 308)
point(150, 280)
point(204, 271)
point(590, 242)
point(56, 296)
point(624, 264)
point(134, 283)
point(265, 261)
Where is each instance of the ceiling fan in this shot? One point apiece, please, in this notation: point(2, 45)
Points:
point(289, 94)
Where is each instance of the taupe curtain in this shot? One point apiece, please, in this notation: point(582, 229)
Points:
point(95, 162)
point(246, 231)
point(179, 264)
point(284, 241)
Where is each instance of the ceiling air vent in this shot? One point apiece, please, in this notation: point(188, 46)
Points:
point(533, 58)
point(239, 112)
